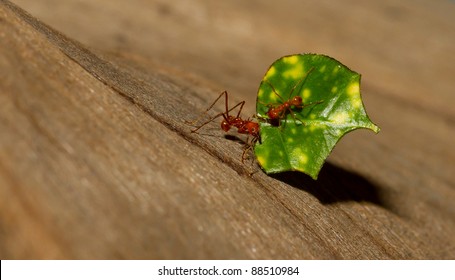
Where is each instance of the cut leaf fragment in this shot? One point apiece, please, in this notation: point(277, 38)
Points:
point(304, 137)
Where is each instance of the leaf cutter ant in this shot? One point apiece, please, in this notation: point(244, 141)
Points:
point(278, 112)
point(248, 127)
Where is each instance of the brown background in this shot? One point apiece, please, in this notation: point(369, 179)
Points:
point(96, 161)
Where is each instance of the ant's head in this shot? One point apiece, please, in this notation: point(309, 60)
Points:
point(297, 101)
point(253, 129)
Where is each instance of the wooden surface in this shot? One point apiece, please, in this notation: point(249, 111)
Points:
point(97, 162)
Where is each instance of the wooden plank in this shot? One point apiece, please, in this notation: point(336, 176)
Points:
point(96, 161)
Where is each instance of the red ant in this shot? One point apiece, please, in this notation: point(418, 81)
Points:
point(247, 127)
point(278, 112)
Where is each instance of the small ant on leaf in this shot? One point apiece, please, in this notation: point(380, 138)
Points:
point(247, 126)
point(278, 112)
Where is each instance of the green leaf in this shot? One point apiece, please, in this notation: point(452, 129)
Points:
point(303, 139)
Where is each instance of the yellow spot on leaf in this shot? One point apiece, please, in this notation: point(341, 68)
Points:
point(356, 102)
point(303, 158)
point(260, 93)
point(290, 59)
point(353, 91)
point(334, 89)
point(322, 69)
point(271, 72)
point(353, 88)
point(261, 160)
point(273, 97)
point(306, 93)
point(294, 73)
point(299, 156)
point(340, 117)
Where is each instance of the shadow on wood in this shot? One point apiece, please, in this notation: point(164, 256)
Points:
point(335, 185)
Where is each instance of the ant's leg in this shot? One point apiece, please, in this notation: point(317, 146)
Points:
point(224, 114)
point(265, 104)
point(206, 111)
point(274, 91)
point(283, 117)
point(303, 79)
point(243, 154)
point(294, 117)
point(209, 121)
point(240, 110)
point(226, 104)
point(301, 107)
point(309, 104)
point(247, 148)
point(253, 143)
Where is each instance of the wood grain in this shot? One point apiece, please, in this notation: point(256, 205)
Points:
point(96, 161)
